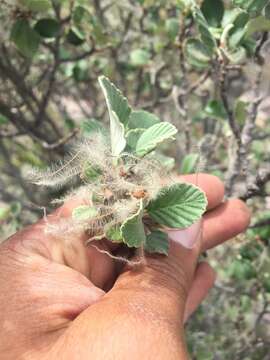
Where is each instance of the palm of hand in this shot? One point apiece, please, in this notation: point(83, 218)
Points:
point(57, 304)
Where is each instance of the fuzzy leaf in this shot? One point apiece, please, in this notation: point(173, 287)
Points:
point(84, 212)
point(114, 234)
point(157, 242)
point(133, 136)
point(133, 229)
point(142, 120)
point(115, 100)
point(153, 136)
point(178, 206)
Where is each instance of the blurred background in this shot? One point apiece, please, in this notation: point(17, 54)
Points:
point(202, 65)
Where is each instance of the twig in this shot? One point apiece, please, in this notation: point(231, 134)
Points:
point(257, 188)
point(182, 101)
point(261, 223)
point(60, 142)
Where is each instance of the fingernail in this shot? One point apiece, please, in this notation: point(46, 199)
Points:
point(187, 237)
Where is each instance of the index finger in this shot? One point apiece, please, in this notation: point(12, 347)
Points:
point(210, 184)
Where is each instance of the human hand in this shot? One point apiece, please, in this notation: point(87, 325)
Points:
point(55, 302)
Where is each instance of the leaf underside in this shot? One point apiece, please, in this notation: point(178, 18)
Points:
point(157, 242)
point(133, 229)
point(119, 112)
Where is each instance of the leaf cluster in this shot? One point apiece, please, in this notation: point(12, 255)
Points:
point(131, 198)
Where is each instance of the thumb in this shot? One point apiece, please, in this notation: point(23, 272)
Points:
point(160, 286)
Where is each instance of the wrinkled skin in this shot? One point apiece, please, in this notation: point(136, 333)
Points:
point(61, 300)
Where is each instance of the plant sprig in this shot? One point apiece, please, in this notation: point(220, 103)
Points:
point(129, 196)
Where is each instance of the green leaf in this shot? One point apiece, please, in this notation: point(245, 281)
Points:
point(178, 206)
point(196, 53)
point(25, 38)
point(238, 31)
point(172, 27)
point(119, 111)
point(242, 270)
point(157, 242)
point(215, 109)
point(257, 24)
point(203, 27)
point(133, 229)
point(80, 71)
point(189, 164)
point(114, 234)
point(213, 11)
point(75, 36)
point(79, 14)
point(47, 28)
point(141, 119)
point(154, 136)
point(3, 120)
point(230, 16)
point(254, 7)
point(84, 212)
point(250, 46)
point(132, 137)
point(115, 100)
point(37, 5)
point(140, 57)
